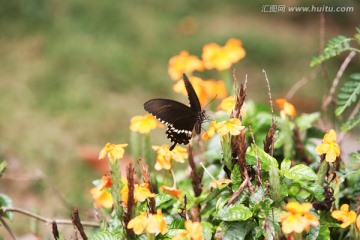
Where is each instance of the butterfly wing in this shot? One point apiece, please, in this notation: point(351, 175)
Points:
point(179, 118)
point(193, 98)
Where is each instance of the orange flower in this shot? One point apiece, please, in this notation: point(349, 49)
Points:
point(183, 63)
point(156, 223)
point(193, 231)
point(205, 90)
point(298, 218)
point(221, 58)
point(105, 182)
point(112, 151)
point(329, 146)
point(164, 156)
point(286, 108)
point(344, 215)
point(139, 223)
point(171, 191)
point(143, 124)
point(210, 132)
point(101, 195)
point(141, 193)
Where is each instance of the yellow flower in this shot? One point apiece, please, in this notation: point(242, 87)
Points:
point(233, 126)
point(286, 108)
point(358, 222)
point(141, 193)
point(228, 105)
point(164, 156)
point(193, 231)
point(205, 90)
point(112, 151)
point(139, 223)
point(143, 124)
point(329, 147)
point(221, 58)
point(344, 215)
point(156, 223)
point(298, 218)
point(183, 63)
point(172, 191)
point(101, 196)
point(153, 223)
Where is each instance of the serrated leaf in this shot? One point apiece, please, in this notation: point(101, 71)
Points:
point(234, 213)
point(106, 236)
point(265, 159)
point(300, 172)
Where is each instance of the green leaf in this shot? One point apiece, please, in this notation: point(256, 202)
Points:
point(162, 198)
point(5, 201)
point(265, 159)
point(177, 223)
point(237, 230)
point(234, 213)
point(174, 232)
point(3, 166)
point(215, 192)
point(106, 236)
point(349, 93)
point(305, 121)
point(333, 48)
point(300, 172)
point(207, 230)
point(285, 165)
point(351, 123)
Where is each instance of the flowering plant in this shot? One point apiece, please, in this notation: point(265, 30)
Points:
point(253, 174)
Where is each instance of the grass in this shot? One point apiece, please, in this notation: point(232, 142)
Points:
point(75, 72)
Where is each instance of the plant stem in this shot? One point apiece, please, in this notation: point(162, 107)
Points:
point(116, 186)
point(322, 173)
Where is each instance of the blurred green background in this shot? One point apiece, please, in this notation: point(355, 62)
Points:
point(73, 73)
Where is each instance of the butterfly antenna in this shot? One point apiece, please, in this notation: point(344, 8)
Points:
point(210, 101)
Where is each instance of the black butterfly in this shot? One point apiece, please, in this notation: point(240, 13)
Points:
point(179, 118)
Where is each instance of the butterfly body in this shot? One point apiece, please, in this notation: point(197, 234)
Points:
point(179, 118)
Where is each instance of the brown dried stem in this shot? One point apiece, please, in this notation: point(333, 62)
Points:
point(147, 179)
point(77, 223)
point(130, 172)
point(49, 221)
point(55, 230)
point(196, 177)
point(300, 146)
